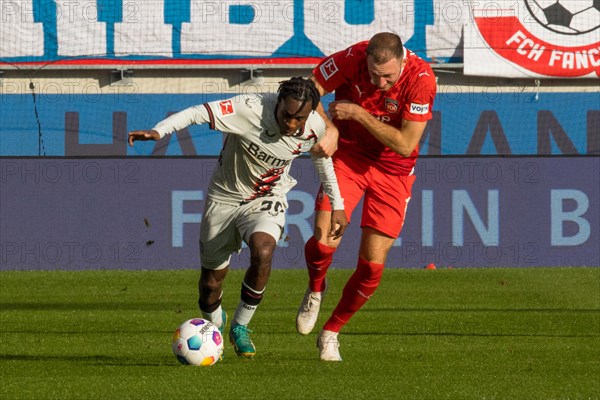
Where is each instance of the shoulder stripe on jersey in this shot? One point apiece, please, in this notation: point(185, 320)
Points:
point(211, 117)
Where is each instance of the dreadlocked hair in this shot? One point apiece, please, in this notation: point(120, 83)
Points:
point(300, 89)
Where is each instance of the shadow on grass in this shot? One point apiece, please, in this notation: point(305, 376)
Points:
point(500, 310)
point(474, 334)
point(93, 359)
point(105, 305)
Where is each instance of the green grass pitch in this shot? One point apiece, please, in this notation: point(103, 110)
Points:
point(426, 334)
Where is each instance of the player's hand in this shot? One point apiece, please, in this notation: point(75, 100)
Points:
point(142, 135)
point(344, 109)
point(339, 222)
point(328, 143)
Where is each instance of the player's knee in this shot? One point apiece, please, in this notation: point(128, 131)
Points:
point(261, 254)
point(322, 229)
point(326, 240)
point(330, 242)
point(261, 246)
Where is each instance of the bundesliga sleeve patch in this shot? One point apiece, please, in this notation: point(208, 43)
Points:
point(328, 68)
point(420, 109)
point(226, 108)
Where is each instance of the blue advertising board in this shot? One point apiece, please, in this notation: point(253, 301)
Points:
point(144, 213)
point(497, 121)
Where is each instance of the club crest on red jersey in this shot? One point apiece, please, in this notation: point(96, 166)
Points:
point(226, 107)
point(391, 105)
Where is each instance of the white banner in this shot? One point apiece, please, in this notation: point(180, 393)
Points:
point(50, 31)
point(445, 35)
point(535, 38)
point(21, 36)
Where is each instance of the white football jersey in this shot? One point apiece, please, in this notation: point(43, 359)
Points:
point(255, 159)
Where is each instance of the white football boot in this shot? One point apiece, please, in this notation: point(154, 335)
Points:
point(308, 313)
point(329, 346)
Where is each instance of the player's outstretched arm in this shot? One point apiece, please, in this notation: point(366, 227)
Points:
point(143, 135)
point(175, 122)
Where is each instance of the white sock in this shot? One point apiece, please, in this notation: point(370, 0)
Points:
point(244, 311)
point(216, 317)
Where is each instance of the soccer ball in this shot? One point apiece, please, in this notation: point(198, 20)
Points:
point(570, 17)
point(197, 342)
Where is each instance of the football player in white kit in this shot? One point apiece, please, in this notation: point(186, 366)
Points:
point(247, 192)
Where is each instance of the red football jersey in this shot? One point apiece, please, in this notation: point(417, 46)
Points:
point(411, 98)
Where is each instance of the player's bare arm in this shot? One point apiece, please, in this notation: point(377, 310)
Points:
point(328, 143)
point(143, 135)
point(402, 141)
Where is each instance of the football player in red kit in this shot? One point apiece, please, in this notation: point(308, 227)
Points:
point(384, 94)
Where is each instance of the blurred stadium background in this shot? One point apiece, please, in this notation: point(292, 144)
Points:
point(509, 170)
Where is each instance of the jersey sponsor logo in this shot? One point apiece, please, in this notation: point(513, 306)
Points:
point(226, 108)
point(255, 150)
point(391, 105)
point(328, 68)
point(425, 73)
point(421, 109)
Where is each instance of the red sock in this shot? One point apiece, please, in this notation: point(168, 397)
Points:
point(358, 290)
point(318, 259)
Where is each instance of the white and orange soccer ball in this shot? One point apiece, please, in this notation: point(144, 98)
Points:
point(197, 342)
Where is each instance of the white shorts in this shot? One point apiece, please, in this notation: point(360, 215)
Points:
point(224, 226)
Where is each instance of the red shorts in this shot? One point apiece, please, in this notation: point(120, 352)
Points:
point(386, 196)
